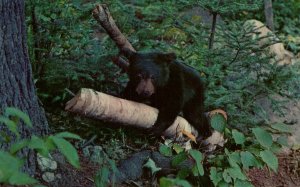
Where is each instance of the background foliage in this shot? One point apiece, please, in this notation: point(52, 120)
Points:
point(68, 51)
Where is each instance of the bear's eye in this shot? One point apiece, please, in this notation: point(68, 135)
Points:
point(152, 77)
point(139, 76)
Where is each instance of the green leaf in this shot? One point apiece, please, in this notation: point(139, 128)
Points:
point(223, 184)
point(270, 159)
point(281, 127)
point(165, 150)
point(238, 137)
point(248, 159)
point(263, 137)
point(18, 146)
point(275, 148)
point(67, 135)
point(226, 176)
point(282, 140)
point(67, 150)
point(49, 143)
point(197, 156)
point(102, 177)
point(168, 182)
point(218, 122)
point(8, 165)
point(177, 148)
point(179, 159)
point(11, 125)
point(152, 166)
point(236, 173)
point(242, 183)
point(215, 176)
point(38, 144)
point(234, 159)
point(10, 111)
point(165, 182)
point(19, 178)
point(183, 173)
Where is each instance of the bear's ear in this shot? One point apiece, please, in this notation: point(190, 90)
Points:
point(167, 57)
point(128, 53)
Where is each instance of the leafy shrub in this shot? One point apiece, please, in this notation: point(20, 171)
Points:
point(242, 73)
point(228, 167)
point(287, 22)
point(11, 163)
point(68, 50)
point(239, 73)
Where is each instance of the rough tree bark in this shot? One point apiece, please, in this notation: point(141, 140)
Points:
point(269, 14)
point(213, 30)
point(16, 82)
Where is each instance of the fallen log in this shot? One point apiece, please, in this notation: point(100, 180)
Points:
point(105, 107)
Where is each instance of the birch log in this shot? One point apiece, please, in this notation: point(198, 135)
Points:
point(105, 107)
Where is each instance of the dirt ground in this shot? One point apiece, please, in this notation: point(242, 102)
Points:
point(288, 174)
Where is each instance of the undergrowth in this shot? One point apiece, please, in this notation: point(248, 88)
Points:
point(69, 50)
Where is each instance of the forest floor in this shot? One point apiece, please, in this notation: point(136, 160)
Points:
point(288, 174)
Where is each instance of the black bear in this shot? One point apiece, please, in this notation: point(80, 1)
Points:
point(168, 85)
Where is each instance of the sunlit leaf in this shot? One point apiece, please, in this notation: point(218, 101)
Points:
point(270, 159)
point(18, 146)
point(67, 135)
point(19, 178)
point(238, 137)
point(248, 159)
point(38, 144)
point(242, 183)
point(236, 173)
point(177, 148)
point(282, 140)
point(102, 177)
point(197, 156)
point(215, 176)
point(165, 150)
point(218, 122)
point(281, 127)
point(169, 182)
point(152, 166)
point(67, 149)
point(263, 137)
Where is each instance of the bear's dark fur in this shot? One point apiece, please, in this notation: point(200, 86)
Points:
point(168, 85)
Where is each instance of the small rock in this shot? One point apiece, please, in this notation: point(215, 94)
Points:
point(46, 163)
point(58, 176)
point(94, 153)
point(48, 177)
point(97, 153)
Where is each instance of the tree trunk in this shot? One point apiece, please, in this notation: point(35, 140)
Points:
point(269, 14)
point(213, 30)
point(16, 82)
